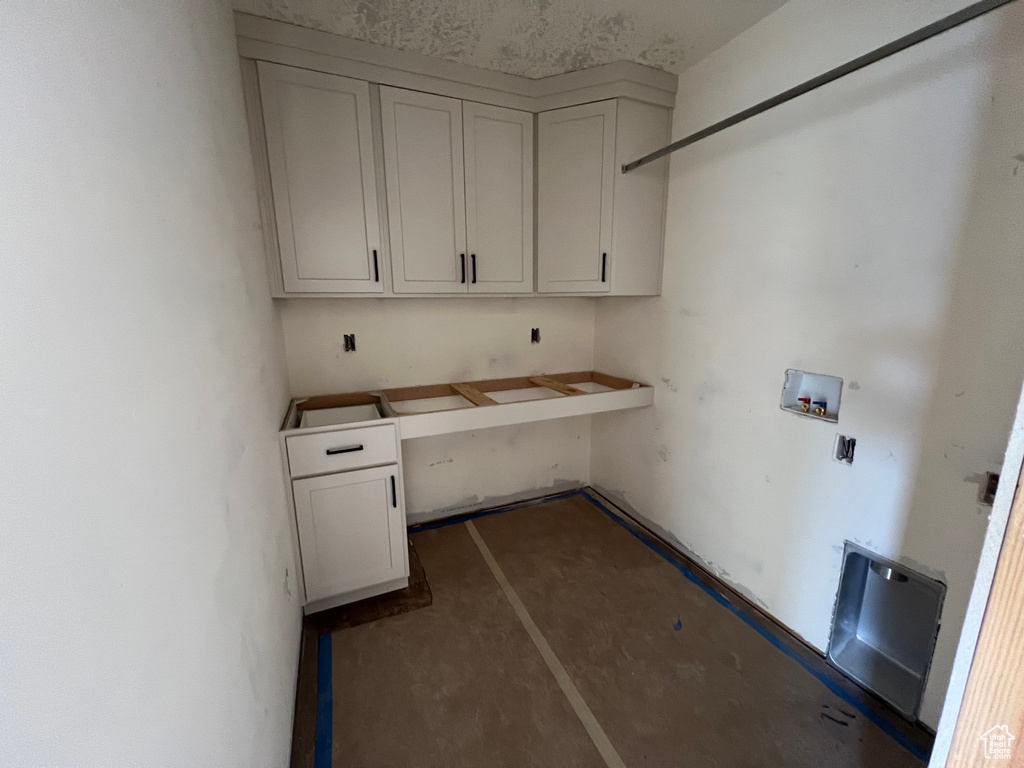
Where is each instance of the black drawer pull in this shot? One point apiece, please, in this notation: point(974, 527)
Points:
point(376, 271)
point(463, 257)
point(394, 493)
point(604, 267)
point(473, 259)
point(350, 449)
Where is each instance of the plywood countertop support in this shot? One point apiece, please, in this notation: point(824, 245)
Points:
point(557, 386)
point(475, 396)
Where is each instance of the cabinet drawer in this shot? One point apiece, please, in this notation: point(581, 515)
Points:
point(342, 450)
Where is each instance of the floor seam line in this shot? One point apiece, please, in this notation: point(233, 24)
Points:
point(593, 728)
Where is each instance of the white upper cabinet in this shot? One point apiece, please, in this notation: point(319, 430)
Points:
point(499, 198)
point(423, 165)
point(601, 231)
point(575, 163)
point(370, 188)
point(323, 177)
point(638, 213)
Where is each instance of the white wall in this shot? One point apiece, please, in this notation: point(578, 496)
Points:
point(406, 342)
point(985, 575)
point(869, 230)
point(148, 612)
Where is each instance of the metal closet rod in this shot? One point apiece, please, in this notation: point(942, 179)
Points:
point(936, 28)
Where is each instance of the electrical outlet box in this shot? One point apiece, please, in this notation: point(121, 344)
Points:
point(845, 447)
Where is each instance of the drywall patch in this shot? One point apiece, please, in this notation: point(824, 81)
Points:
point(531, 38)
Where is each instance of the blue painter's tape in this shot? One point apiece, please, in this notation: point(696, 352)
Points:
point(324, 705)
point(498, 510)
point(886, 727)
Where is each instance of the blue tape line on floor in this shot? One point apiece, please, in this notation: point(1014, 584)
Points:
point(498, 510)
point(324, 705)
point(887, 728)
point(669, 557)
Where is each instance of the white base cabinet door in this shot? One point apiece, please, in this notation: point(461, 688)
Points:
point(351, 530)
point(324, 180)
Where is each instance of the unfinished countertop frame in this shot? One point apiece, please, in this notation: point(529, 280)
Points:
point(441, 409)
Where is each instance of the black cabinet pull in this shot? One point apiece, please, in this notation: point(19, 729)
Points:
point(376, 271)
point(394, 493)
point(463, 257)
point(604, 267)
point(350, 449)
point(473, 259)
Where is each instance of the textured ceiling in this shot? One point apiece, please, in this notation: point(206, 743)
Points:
point(534, 38)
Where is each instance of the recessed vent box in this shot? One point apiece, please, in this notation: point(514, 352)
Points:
point(884, 628)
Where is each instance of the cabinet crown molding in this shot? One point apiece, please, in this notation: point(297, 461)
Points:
point(283, 43)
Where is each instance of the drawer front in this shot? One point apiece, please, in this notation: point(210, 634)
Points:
point(342, 450)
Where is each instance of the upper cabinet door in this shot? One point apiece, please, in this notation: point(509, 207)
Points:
point(320, 150)
point(499, 198)
point(426, 191)
point(576, 158)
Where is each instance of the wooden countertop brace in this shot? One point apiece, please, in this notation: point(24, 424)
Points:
point(558, 386)
point(475, 396)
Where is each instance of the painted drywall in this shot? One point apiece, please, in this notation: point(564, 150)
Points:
point(532, 38)
point(407, 342)
point(148, 614)
point(870, 230)
point(994, 535)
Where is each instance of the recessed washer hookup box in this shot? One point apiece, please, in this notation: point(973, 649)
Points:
point(884, 628)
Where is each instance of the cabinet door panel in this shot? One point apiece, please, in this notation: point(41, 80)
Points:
point(638, 221)
point(499, 198)
point(423, 166)
point(351, 530)
point(575, 164)
point(320, 151)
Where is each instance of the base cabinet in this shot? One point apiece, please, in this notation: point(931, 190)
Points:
point(351, 528)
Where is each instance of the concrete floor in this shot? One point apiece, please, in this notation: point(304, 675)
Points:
point(653, 671)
